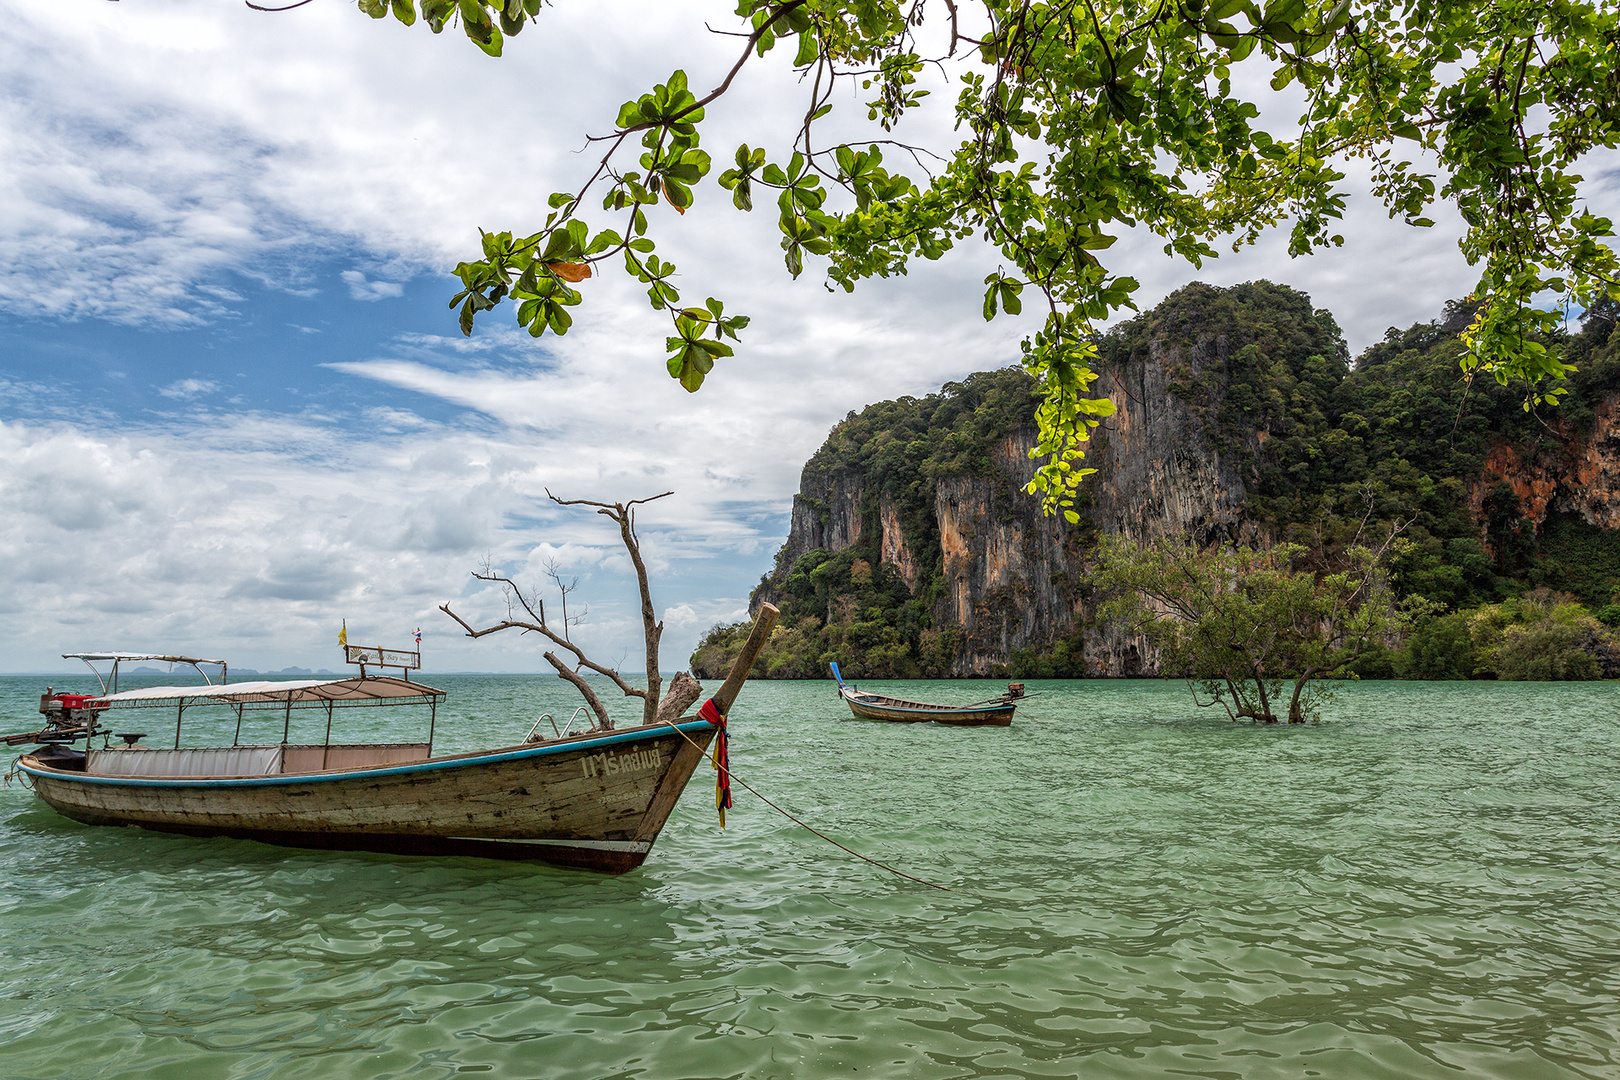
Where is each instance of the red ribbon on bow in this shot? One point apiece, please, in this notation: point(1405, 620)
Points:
point(721, 758)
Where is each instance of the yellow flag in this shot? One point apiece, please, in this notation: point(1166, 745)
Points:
point(343, 634)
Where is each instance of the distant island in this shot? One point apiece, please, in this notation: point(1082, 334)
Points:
point(1241, 417)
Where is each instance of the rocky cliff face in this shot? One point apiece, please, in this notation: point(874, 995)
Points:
point(1009, 578)
point(1159, 473)
point(1237, 418)
point(1579, 476)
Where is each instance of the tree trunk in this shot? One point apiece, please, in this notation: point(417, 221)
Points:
point(653, 629)
point(1296, 715)
point(1265, 715)
point(564, 671)
point(683, 690)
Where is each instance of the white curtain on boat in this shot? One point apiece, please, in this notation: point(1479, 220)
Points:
point(220, 761)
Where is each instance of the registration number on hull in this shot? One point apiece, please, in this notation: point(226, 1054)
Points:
point(636, 761)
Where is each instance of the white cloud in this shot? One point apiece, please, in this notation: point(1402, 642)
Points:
point(361, 289)
point(394, 420)
point(189, 388)
point(701, 616)
point(249, 535)
point(680, 615)
point(127, 190)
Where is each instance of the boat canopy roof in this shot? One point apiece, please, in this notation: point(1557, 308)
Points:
point(138, 656)
point(302, 693)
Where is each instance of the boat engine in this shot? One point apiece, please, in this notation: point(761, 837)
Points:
point(67, 710)
point(68, 718)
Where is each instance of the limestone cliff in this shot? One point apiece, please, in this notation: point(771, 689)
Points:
point(1577, 473)
point(914, 550)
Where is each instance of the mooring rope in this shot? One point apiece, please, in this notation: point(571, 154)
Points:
point(805, 825)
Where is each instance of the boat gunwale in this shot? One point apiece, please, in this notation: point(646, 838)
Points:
point(361, 772)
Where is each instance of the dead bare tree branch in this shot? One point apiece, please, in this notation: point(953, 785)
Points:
point(624, 515)
point(519, 605)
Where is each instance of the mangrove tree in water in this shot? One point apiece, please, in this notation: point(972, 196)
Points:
point(1248, 625)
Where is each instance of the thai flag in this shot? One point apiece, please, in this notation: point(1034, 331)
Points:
point(419, 635)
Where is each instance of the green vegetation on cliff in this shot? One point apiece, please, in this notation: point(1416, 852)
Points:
point(1326, 449)
point(850, 605)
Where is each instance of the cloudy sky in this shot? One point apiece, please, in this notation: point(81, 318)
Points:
point(235, 410)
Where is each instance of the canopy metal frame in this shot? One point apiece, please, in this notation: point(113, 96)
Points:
point(329, 694)
point(109, 681)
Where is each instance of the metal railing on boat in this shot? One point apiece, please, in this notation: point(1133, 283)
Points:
point(547, 716)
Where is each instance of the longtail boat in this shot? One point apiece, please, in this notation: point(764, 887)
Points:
point(595, 799)
point(997, 711)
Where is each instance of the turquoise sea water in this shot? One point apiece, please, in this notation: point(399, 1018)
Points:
point(1425, 885)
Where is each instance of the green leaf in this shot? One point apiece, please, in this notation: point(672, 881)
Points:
point(1311, 44)
point(487, 37)
point(679, 195)
point(437, 13)
point(1130, 60)
point(603, 240)
point(808, 50)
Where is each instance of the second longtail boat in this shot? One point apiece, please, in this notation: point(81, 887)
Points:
point(997, 711)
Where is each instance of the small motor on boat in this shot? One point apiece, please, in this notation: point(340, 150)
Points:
point(67, 710)
point(68, 718)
